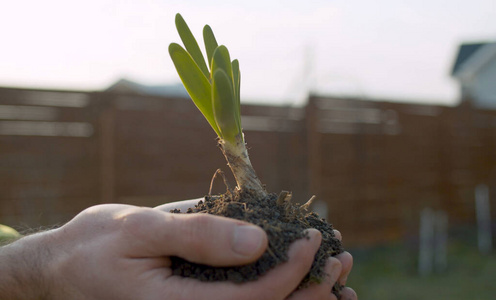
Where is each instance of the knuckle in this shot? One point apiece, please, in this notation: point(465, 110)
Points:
point(98, 218)
point(197, 229)
point(134, 221)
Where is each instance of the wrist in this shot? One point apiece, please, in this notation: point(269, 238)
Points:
point(23, 268)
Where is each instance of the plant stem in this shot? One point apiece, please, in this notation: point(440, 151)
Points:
point(239, 162)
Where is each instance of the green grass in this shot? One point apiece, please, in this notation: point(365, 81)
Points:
point(389, 272)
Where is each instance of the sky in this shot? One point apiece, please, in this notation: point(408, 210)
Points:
point(383, 49)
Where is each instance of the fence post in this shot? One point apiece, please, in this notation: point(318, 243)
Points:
point(426, 253)
point(441, 240)
point(433, 241)
point(482, 209)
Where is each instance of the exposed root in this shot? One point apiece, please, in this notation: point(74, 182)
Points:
point(284, 197)
point(217, 173)
point(242, 203)
point(305, 206)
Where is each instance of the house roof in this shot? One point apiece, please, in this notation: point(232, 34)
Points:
point(464, 52)
point(128, 86)
point(471, 57)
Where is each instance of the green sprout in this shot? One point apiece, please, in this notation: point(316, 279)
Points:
point(216, 91)
point(214, 87)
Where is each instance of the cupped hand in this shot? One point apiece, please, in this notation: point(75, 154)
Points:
point(122, 252)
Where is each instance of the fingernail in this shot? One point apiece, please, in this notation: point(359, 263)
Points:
point(247, 240)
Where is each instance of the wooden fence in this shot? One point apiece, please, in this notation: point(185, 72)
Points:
point(374, 164)
point(378, 164)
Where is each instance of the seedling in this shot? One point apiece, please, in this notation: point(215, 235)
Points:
point(214, 87)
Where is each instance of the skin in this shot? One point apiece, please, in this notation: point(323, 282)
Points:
point(116, 251)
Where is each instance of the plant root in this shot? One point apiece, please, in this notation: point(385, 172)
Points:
point(305, 206)
point(217, 173)
point(284, 197)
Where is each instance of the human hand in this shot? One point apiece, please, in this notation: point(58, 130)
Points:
point(122, 252)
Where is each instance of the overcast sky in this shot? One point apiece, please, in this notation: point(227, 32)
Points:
point(375, 49)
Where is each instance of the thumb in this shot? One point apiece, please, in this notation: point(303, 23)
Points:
point(199, 238)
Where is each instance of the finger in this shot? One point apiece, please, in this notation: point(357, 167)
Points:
point(322, 290)
point(337, 234)
point(347, 263)
point(182, 205)
point(277, 284)
point(199, 238)
point(348, 294)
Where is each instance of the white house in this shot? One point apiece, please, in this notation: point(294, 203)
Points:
point(475, 70)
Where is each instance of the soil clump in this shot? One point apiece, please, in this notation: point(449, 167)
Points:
point(283, 221)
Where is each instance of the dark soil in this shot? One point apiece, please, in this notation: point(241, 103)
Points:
point(284, 223)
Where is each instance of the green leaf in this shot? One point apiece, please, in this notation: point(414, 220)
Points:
point(221, 60)
point(224, 106)
point(190, 43)
point(215, 93)
point(236, 86)
point(195, 82)
point(210, 43)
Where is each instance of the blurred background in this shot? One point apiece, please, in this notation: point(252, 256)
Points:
point(384, 110)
